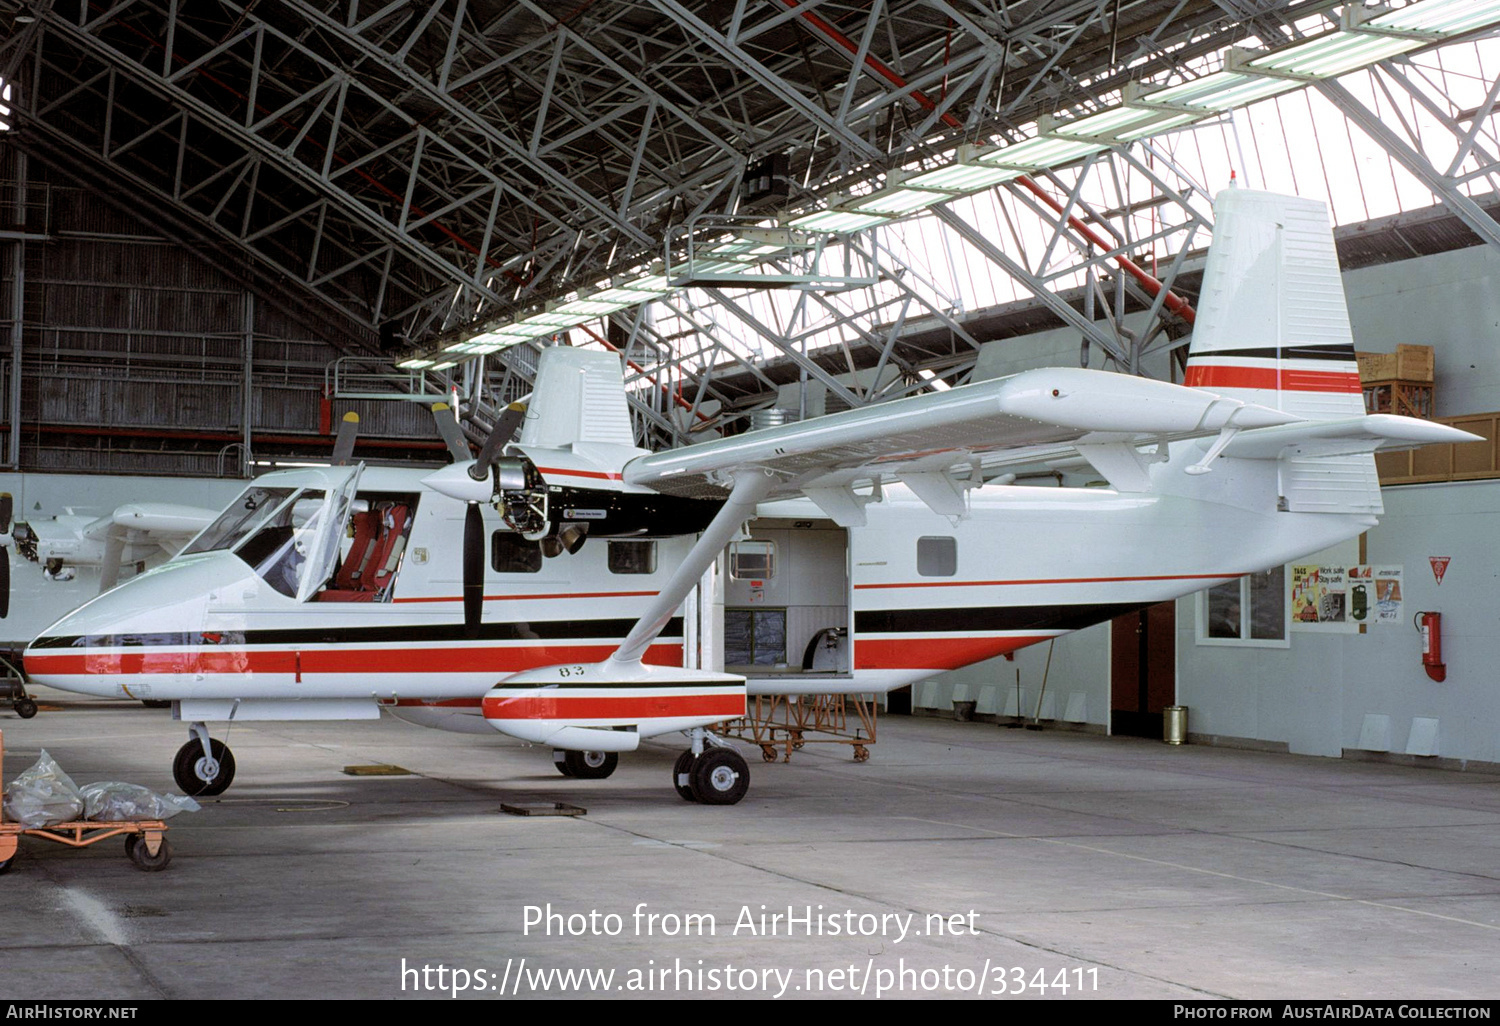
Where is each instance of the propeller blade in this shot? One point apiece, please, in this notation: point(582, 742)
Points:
point(503, 431)
point(114, 551)
point(343, 444)
point(458, 445)
point(4, 581)
point(7, 505)
point(473, 570)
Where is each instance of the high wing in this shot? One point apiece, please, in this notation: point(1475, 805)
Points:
point(1039, 414)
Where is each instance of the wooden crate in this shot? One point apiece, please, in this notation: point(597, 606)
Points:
point(1408, 398)
point(1407, 363)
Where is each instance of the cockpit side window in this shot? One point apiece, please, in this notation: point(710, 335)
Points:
point(245, 514)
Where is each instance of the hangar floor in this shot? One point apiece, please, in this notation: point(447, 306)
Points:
point(1129, 867)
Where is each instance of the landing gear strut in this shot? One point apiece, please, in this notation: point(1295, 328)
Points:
point(203, 767)
point(710, 772)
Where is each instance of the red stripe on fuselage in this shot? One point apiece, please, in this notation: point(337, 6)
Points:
point(1285, 379)
point(596, 474)
point(1053, 580)
point(532, 598)
point(537, 705)
point(312, 661)
point(934, 653)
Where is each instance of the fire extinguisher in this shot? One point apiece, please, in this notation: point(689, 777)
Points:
point(1431, 626)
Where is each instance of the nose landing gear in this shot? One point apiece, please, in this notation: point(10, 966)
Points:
point(204, 767)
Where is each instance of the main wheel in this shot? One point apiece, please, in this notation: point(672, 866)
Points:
point(194, 774)
point(135, 847)
point(6, 864)
point(720, 777)
point(560, 760)
point(25, 708)
point(591, 765)
point(682, 777)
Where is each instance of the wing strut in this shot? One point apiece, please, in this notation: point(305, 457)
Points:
point(751, 485)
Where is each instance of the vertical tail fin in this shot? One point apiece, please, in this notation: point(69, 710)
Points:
point(579, 397)
point(1272, 326)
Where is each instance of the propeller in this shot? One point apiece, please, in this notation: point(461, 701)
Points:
point(473, 550)
point(7, 506)
point(343, 442)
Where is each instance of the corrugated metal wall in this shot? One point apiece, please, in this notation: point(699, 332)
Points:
point(133, 352)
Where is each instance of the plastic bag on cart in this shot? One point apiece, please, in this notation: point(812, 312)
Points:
point(110, 801)
point(43, 796)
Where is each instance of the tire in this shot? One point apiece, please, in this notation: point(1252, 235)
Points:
point(682, 774)
point(25, 708)
point(591, 765)
point(135, 848)
point(560, 760)
point(720, 777)
point(185, 769)
point(4, 866)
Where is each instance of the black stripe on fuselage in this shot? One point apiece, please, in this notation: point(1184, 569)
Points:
point(991, 618)
point(535, 630)
point(1343, 352)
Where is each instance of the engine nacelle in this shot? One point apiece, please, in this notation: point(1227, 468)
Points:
point(608, 706)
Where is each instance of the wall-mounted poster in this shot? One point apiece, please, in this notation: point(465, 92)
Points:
point(1320, 598)
point(1375, 594)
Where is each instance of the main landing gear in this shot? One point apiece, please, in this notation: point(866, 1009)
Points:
point(710, 772)
point(203, 767)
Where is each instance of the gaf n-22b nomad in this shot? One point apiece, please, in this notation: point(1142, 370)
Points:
point(572, 620)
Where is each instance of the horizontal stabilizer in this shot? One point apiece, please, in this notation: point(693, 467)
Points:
point(1343, 437)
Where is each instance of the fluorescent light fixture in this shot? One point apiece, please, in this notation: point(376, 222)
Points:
point(1041, 152)
point(444, 365)
point(529, 330)
point(1106, 124)
point(551, 319)
point(1223, 90)
point(415, 364)
point(1442, 17)
point(1158, 127)
point(837, 221)
point(656, 283)
point(933, 380)
point(488, 344)
point(592, 307)
point(743, 249)
point(1330, 55)
point(898, 201)
point(964, 177)
point(627, 296)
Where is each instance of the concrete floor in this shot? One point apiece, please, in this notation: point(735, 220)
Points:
point(1137, 869)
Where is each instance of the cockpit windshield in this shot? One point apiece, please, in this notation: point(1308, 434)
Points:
point(282, 544)
point(245, 515)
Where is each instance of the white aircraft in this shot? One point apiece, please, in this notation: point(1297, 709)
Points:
point(560, 624)
point(67, 559)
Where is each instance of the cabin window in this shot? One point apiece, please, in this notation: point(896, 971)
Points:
point(1249, 611)
point(512, 554)
point(937, 557)
point(632, 557)
point(754, 637)
point(752, 558)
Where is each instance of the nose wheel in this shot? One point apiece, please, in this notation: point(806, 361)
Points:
point(203, 767)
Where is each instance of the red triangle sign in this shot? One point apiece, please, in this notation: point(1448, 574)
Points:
point(1439, 566)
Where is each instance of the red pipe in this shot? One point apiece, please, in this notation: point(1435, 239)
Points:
point(1173, 302)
